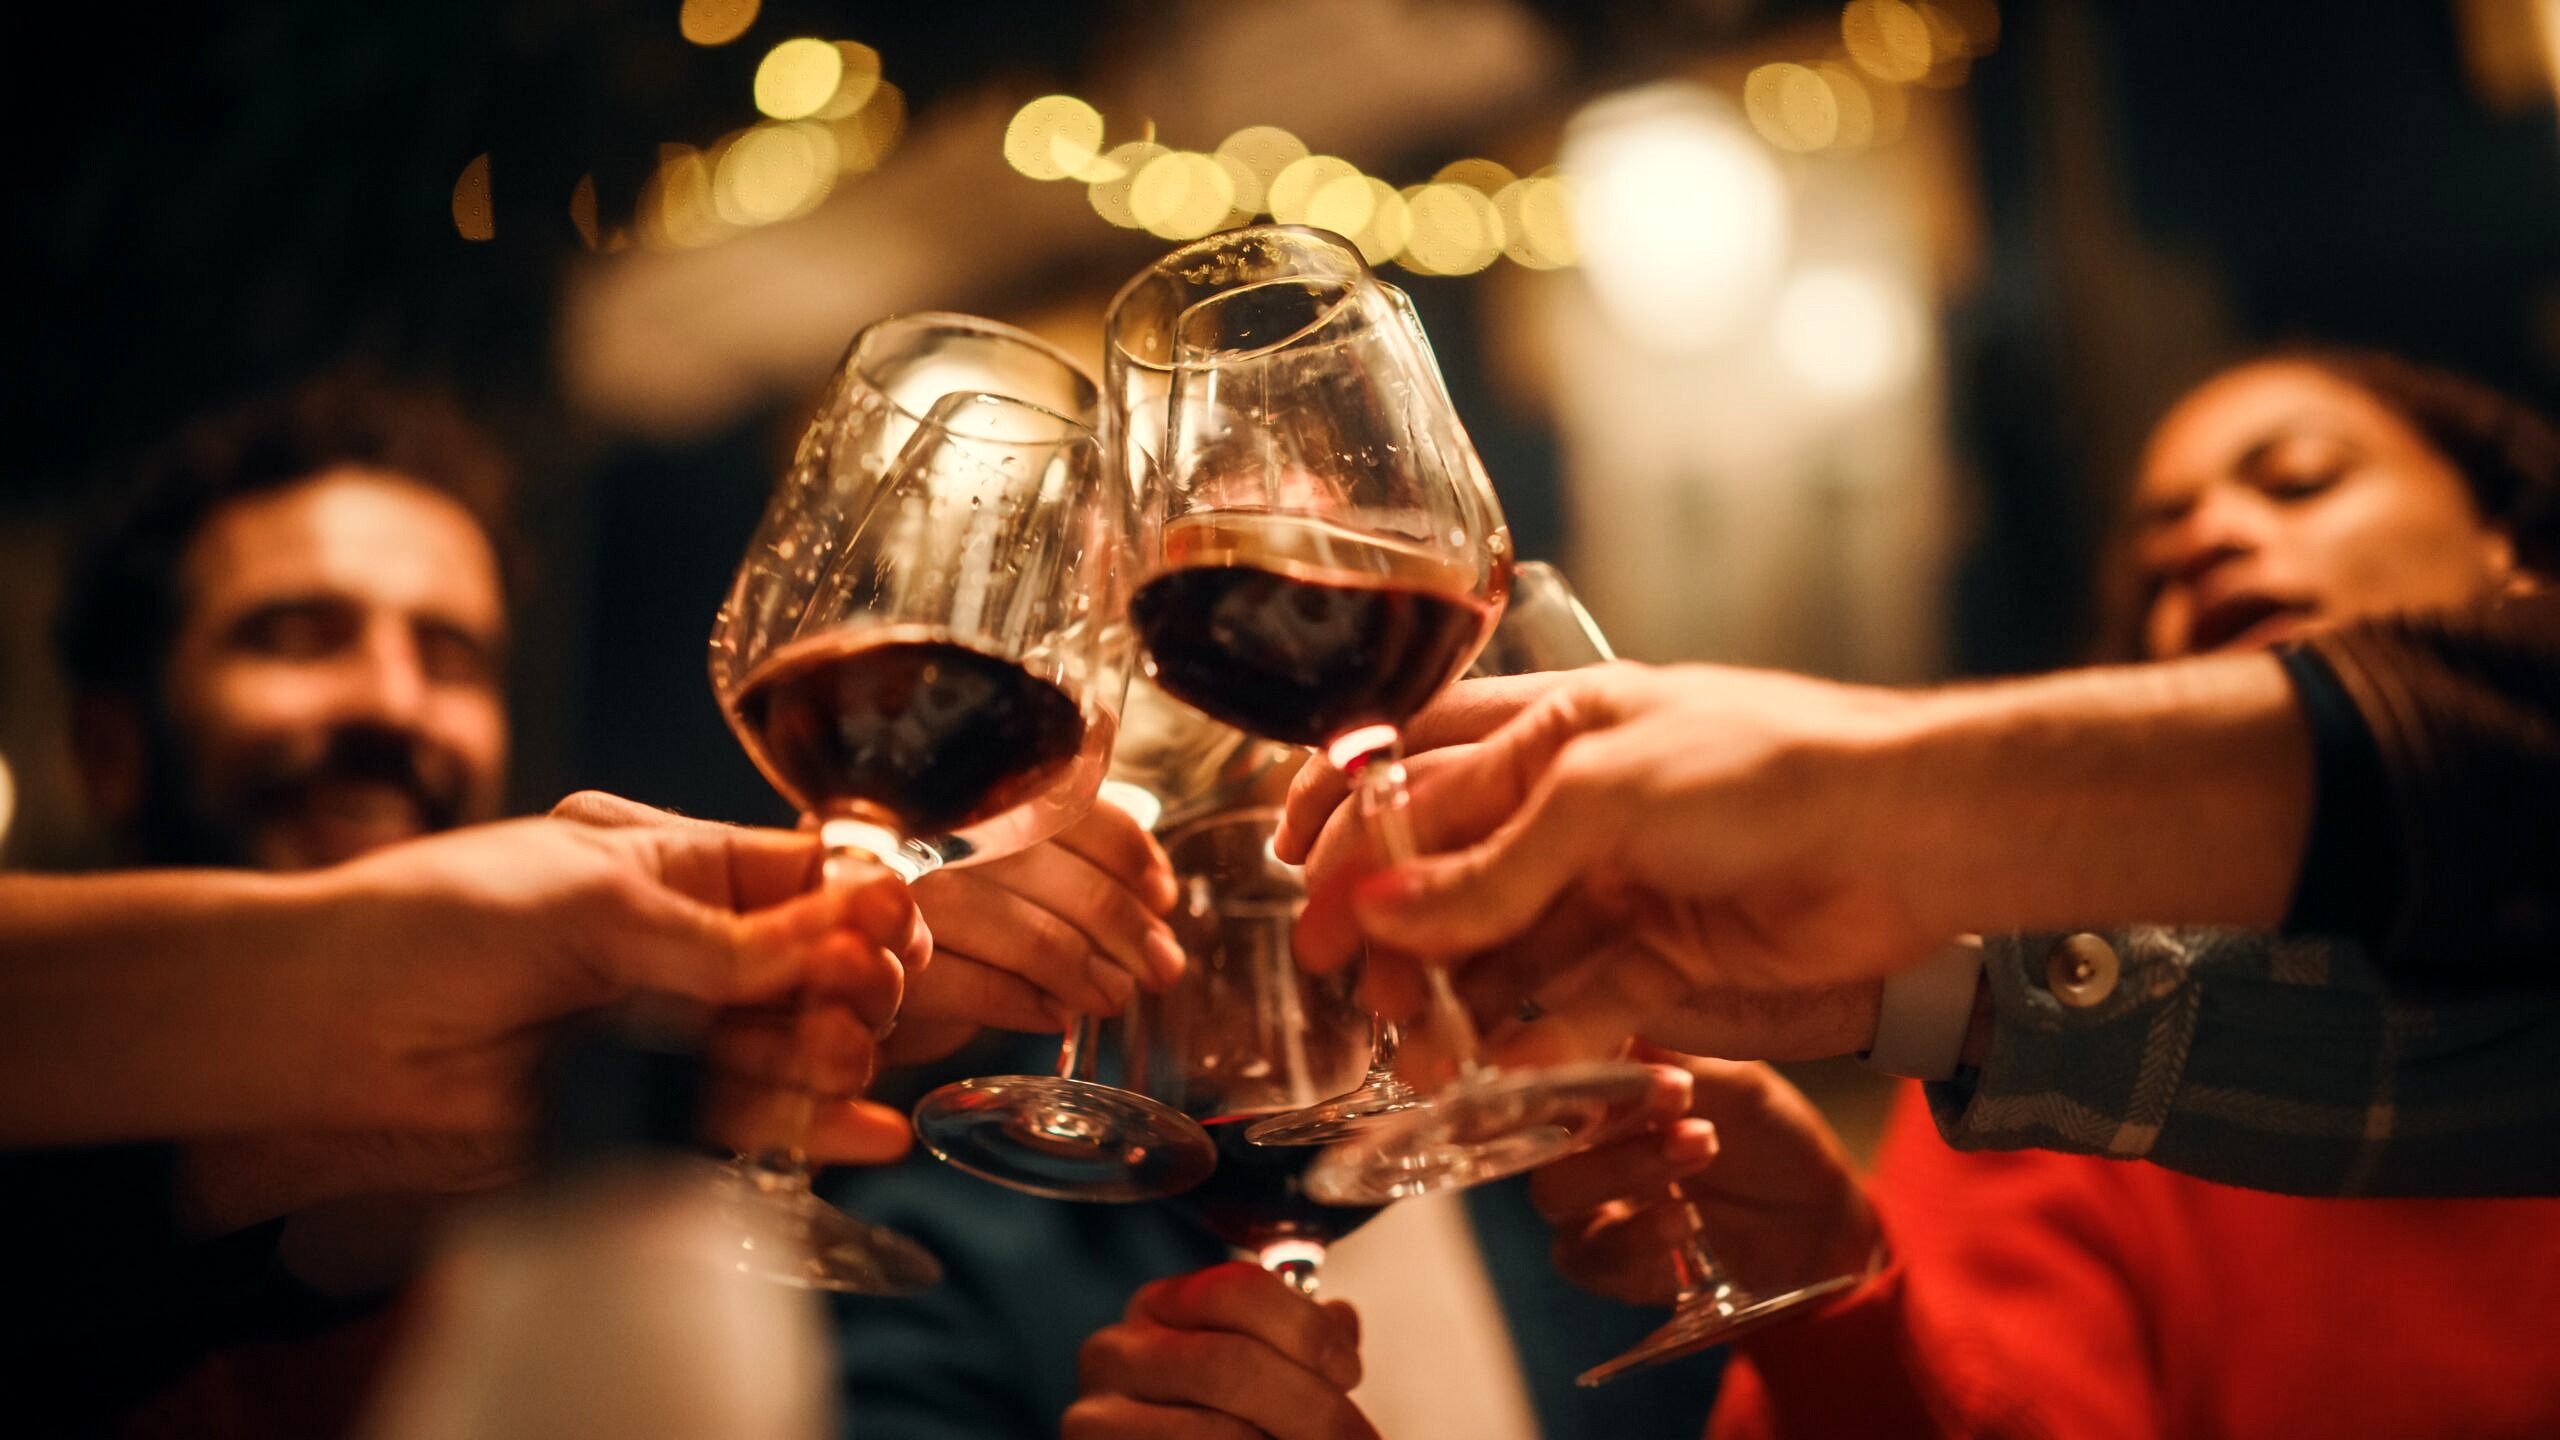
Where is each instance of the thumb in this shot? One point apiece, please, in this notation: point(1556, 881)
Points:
point(666, 941)
point(1490, 892)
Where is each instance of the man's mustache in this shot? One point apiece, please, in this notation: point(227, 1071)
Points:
point(432, 780)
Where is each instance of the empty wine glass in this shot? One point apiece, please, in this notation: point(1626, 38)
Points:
point(931, 668)
point(1245, 1033)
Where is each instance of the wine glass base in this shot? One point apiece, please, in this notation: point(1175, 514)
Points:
point(1340, 1118)
point(1709, 1324)
point(807, 1242)
point(1486, 1126)
point(1065, 1139)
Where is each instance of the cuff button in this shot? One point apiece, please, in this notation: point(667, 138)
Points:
point(2081, 971)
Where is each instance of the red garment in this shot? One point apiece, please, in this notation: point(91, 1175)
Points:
point(2040, 1294)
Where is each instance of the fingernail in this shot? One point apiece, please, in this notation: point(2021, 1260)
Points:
point(1390, 889)
point(1165, 953)
point(1689, 1144)
point(1342, 1365)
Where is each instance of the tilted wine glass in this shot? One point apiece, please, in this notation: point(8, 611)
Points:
point(1140, 340)
point(943, 681)
point(1543, 627)
point(1324, 554)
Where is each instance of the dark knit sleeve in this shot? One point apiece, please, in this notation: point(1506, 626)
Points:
point(2436, 838)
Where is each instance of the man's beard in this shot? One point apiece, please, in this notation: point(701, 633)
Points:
point(180, 823)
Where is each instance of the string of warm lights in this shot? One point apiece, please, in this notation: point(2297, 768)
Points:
point(829, 114)
point(1470, 214)
point(1855, 100)
point(1476, 211)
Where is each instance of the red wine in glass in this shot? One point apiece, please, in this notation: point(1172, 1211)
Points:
point(1295, 629)
point(929, 734)
point(1257, 1201)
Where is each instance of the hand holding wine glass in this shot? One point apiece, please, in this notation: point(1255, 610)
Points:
point(1754, 1167)
point(1232, 1347)
point(943, 687)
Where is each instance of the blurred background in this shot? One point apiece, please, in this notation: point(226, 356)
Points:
point(1800, 334)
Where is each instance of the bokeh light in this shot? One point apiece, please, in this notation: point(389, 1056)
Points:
point(1791, 106)
point(716, 22)
point(1456, 230)
point(1854, 100)
point(1889, 39)
point(773, 172)
point(1537, 230)
point(797, 77)
point(1680, 217)
point(1055, 137)
point(865, 138)
point(1977, 20)
point(1181, 195)
point(676, 209)
point(1262, 151)
point(474, 217)
point(1847, 334)
point(1389, 228)
point(1115, 175)
point(1294, 188)
point(1489, 176)
point(859, 78)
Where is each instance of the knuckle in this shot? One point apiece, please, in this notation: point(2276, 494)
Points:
point(1052, 941)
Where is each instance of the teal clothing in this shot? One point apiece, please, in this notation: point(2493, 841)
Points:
point(991, 1354)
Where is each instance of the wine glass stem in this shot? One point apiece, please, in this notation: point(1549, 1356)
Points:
point(1699, 1273)
point(1295, 1261)
point(1387, 805)
point(787, 1168)
point(1073, 1045)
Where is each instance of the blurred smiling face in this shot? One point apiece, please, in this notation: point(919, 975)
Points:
point(2278, 498)
point(334, 684)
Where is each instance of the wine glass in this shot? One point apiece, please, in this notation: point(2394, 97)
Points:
point(1245, 1032)
point(1543, 627)
point(1709, 1308)
point(1071, 1136)
point(1324, 554)
point(943, 684)
point(1139, 342)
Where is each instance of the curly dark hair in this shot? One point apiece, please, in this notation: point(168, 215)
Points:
point(121, 603)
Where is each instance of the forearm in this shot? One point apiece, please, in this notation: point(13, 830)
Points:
point(2176, 793)
point(157, 1005)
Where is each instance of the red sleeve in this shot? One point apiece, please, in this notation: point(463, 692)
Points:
point(2010, 1309)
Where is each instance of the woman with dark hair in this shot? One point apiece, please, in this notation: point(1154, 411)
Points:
point(2043, 1293)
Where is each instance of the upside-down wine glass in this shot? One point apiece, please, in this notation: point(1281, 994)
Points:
point(944, 689)
point(1324, 554)
point(1245, 1033)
